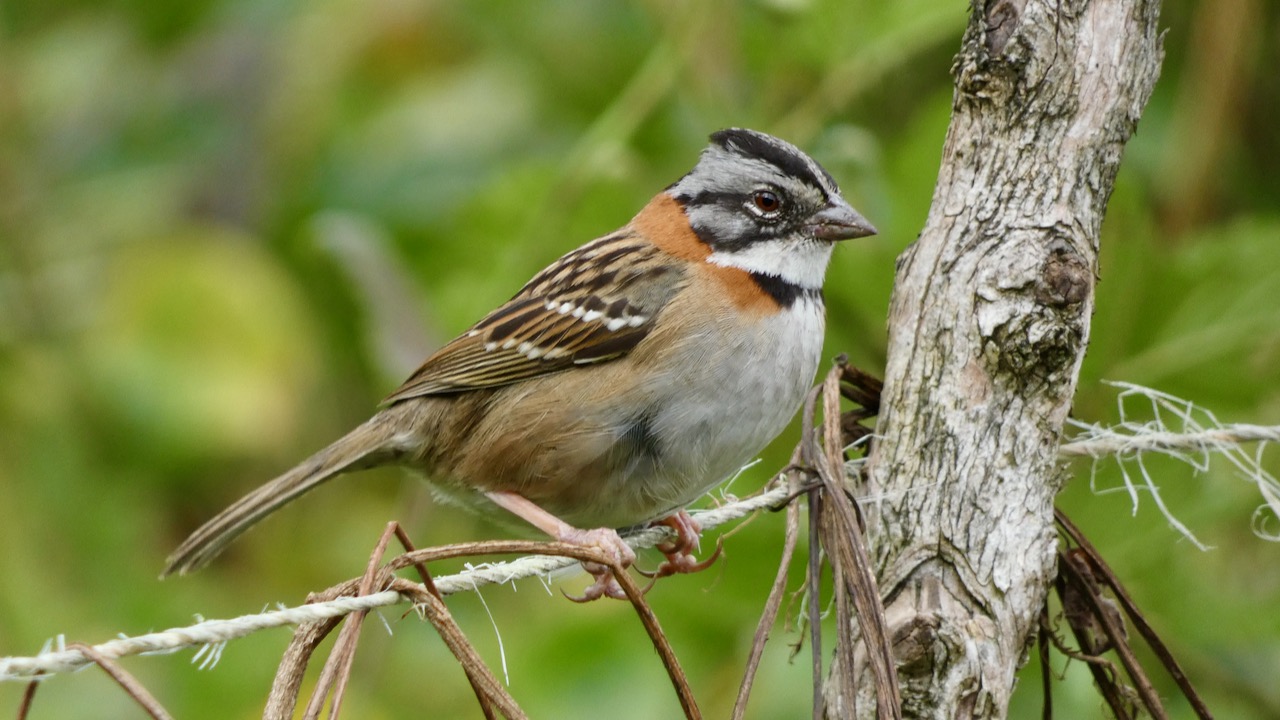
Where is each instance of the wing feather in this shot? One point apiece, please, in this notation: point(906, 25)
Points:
point(593, 305)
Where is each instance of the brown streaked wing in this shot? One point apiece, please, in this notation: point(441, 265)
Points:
point(617, 277)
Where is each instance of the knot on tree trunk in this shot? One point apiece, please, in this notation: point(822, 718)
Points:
point(1031, 310)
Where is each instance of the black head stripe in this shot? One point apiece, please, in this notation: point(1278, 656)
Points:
point(782, 156)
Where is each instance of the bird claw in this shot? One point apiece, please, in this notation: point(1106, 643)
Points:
point(620, 553)
point(606, 585)
point(679, 552)
point(683, 563)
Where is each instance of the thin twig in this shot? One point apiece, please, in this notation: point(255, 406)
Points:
point(487, 689)
point(1046, 672)
point(455, 640)
point(660, 643)
point(1135, 615)
point(770, 614)
point(848, 552)
point(1115, 633)
point(861, 387)
point(337, 670)
point(1099, 667)
point(28, 696)
point(283, 697)
point(580, 554)
point(126, 681)
point(423, 573)
point(1103, 671)
point(815, 600)
point(845, 664)
point(490, 693)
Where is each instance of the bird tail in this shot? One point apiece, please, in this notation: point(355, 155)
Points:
point(370, 444)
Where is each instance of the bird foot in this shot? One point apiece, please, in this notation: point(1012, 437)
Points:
point(607, 540)
point(620, 553)
point(679, 552)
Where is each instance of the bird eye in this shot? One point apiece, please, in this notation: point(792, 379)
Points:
point(767, 202)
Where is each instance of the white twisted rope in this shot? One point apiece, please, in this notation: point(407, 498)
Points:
point(216, 632)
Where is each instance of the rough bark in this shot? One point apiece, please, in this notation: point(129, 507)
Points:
point(987, 328)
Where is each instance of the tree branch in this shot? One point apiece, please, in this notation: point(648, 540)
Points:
point(987, 328)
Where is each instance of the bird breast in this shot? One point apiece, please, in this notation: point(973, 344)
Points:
point(625, 442)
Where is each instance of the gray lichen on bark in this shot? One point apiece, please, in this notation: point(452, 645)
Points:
point(987, 329)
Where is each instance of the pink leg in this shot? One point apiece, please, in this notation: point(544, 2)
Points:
point(605, 539)
point(679, 552)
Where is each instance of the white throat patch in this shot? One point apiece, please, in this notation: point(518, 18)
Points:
point(800, 262)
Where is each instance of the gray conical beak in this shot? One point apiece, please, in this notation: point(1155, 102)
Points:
point(839, 221)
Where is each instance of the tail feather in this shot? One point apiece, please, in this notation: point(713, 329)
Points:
point(370, 444)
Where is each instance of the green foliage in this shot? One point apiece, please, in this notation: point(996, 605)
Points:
point(228, 228)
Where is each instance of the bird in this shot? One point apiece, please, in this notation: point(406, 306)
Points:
point(625, 380)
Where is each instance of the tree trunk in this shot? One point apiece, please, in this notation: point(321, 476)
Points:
point(987, 329)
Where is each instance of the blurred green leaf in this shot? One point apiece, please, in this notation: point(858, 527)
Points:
point(200, 348)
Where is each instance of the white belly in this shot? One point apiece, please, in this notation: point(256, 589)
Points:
point(720, 412)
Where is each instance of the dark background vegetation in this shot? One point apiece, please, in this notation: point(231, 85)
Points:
point(227, 228)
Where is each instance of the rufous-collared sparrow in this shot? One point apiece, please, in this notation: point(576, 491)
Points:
point(625, 380)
